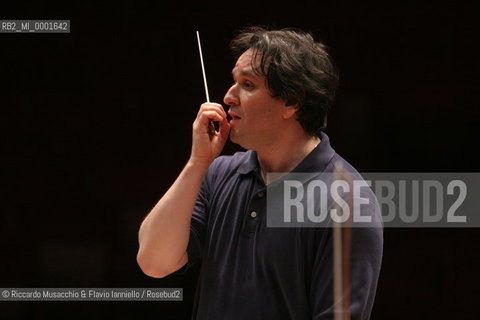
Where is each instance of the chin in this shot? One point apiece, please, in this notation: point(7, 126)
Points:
point(236, 140)
point(233, 138)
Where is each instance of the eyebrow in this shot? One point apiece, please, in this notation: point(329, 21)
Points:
point(245, 73)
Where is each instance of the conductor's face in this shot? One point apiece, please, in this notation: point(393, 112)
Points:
point(256, 116)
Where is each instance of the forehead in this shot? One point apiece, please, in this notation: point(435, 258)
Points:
point(244, 63)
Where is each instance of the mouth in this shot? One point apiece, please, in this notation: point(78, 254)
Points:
point(233, 116)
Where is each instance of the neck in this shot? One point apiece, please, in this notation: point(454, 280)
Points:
point(286, 154)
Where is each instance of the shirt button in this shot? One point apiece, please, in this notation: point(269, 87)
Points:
point(260, 194)
point(253, 214)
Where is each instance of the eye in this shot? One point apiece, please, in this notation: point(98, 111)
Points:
point(247, 85)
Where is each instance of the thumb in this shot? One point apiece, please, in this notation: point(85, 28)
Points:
point(224, 128)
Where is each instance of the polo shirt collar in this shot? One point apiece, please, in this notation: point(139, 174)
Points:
point(250, 163)
point(316, 161)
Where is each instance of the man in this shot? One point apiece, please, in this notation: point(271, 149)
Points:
point(284, 85)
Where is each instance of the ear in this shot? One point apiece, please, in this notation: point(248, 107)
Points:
point(290, 111)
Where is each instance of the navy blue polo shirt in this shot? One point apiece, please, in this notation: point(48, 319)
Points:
point(250, 271)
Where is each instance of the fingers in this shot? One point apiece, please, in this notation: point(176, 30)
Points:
point(224, 128)
point(210, 106)
point(209, 112)
point(220, 137)
point(206, 116)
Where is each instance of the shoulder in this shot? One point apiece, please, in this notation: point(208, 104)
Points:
point(231, 162)
point(363, 197)
point(227, 166)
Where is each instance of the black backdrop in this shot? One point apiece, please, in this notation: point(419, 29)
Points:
point(96, 124)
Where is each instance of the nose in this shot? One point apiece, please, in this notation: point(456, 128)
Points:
point(231, 97)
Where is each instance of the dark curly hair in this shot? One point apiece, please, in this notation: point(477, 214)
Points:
point(297, 69)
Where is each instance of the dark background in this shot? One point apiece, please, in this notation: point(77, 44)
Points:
point(96, 124)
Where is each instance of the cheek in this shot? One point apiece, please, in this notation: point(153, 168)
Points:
point(267, 110)
point(259, 108)
point(262, 120)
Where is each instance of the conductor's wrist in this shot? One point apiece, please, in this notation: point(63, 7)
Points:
point(197, 163)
